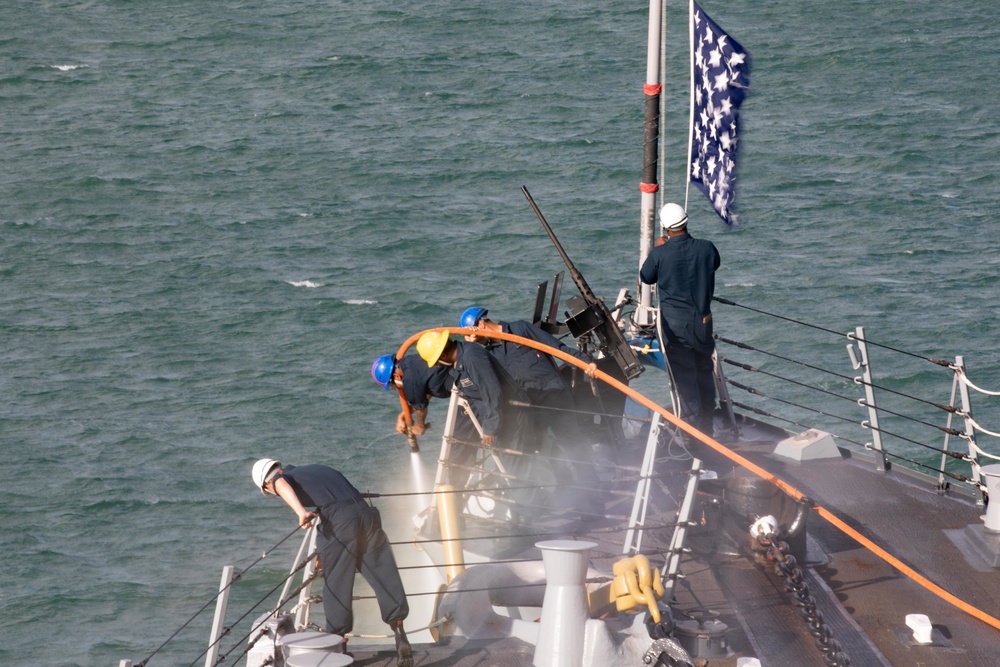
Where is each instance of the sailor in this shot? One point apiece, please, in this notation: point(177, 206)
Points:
point(534, 370)
point(418, 382)
point(491, 392)
point(553, 407)
point(349, 539)
point(683, 270)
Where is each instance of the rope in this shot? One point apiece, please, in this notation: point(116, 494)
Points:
point(757, 392)
point(980, 451)
point(754, 369)
point(968, 383)
point(735, 458)
point(746, 346)
point(982, 430)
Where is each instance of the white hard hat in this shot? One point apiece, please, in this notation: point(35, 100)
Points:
point(672, 216)
point(261, 472)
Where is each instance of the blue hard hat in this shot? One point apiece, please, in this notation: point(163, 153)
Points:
point(471, 316)
point(382, 370)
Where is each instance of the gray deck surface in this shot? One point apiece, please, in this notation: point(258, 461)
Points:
point(911, 520)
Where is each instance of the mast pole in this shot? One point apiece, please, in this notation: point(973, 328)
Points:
point(651, 136)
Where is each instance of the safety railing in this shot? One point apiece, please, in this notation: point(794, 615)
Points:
point(805, 385)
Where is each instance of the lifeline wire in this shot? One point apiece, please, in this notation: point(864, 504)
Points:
point(236, 578)
point(849, 336)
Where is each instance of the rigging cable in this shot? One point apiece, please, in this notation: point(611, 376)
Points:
point(236, 578)
point(849, 335)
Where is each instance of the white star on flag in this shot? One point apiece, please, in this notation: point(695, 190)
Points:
point(721, 69)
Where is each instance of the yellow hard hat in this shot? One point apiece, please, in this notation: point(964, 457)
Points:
point(431, 345)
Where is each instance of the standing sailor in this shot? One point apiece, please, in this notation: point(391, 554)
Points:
point(683, 270)
point(349, 539)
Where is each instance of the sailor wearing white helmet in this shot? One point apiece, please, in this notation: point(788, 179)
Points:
point(349, 539)
point(683, 270)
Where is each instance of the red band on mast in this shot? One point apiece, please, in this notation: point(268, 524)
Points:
point(652, 88)
point(649, 188)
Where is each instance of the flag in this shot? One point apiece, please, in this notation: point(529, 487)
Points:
point(721, 75)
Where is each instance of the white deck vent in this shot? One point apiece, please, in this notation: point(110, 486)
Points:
point(921, 626)
point(808, 446)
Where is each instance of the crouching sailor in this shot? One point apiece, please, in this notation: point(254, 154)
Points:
point(349, 539)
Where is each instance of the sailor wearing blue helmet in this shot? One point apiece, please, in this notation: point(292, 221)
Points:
point(535, 371)
point(418, 382)
point(553, 405)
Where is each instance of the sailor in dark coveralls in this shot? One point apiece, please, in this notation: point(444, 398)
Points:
point(683, 270)
point(483, 382)
point(349, 539)
point(537, 373)
point(418, 382)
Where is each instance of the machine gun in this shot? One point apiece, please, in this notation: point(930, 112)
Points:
point(590, 314)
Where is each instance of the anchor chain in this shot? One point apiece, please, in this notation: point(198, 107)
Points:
point(778, 551)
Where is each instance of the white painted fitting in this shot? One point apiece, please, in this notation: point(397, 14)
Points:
point(564, 608)
point(921, 626)
point(991, 473)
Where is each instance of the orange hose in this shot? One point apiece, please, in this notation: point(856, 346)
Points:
point(728, 453)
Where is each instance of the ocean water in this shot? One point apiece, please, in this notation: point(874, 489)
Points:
point(215, 215)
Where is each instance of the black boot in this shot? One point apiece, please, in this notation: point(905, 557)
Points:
point(403, 651)
point(343, 648)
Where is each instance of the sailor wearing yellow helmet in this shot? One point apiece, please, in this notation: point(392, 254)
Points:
point(481, 380)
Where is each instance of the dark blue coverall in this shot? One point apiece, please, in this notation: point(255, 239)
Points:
point(488, 388)
point(683, 270)
point(539, 376)
point(535, 371)
point(350, 539)
point(419, 381)
point(555, 410)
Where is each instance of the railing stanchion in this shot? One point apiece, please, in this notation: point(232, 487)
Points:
point(866, 380)
point(672, 564)
point(640, 503)
point(955, 381)
point(302, 615)
point(722, 389)
point(220, 616)
point(970, 429)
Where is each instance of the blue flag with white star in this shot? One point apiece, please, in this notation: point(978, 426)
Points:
point(721, 72)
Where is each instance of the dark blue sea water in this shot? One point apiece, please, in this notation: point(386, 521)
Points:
point(215, 215)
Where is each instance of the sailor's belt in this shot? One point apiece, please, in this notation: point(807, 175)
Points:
point(706, 319)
